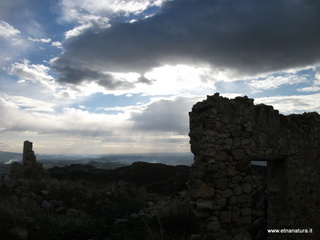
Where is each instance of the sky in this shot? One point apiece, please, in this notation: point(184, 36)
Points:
point(120, 76)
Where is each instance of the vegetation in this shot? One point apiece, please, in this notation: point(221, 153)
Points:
point(89, 209)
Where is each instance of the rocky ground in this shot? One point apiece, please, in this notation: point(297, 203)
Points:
point(140, 201)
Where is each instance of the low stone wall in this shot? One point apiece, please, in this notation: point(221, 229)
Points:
point(225, 135)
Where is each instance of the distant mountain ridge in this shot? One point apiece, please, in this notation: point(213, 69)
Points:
point(166, 158)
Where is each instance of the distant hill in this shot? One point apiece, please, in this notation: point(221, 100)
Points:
point(153, 176)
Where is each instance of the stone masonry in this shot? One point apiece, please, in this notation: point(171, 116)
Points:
point(225, 135)
point(30, 168)
point(28, 157)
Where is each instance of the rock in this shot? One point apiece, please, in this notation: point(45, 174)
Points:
point(72, 212)
point(122, 183)
point(203, 191)
point(246, 212)
point(246, 188)
point(244, 198)
point(243, 166)
point(134, 215)
point(221, 156)
point(221, 183)
point(236, 179)
point(214, 226)
point(227, 193)
point(240, 237)
point(9, 182)
point(204, 204)
point(238, 154)
point(20, 233)
point(119, 221)
point(242, 220)
point(29, 220)
point(221, 202)
point(225, 216)
point(232, 201)
point(195, 237)
point(45, 192)
point(260, 213)
point(46, 205)
point(237, 190)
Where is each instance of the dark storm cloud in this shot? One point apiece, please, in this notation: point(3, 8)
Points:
point(164, 115)
point(71, 75)
point(247, 36)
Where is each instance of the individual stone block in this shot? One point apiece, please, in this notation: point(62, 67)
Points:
point(232, 201)
point(244, 198)
point(225, 216)
point(221, 202)
point(237, 190)
point(238, 154)
point(227, 193)
point(246, 211)
point(201, 204)
point(222, 156)
point(236, 179)
point(243, 220)
point(214, 226)
point(246, 188)
point(221, 183)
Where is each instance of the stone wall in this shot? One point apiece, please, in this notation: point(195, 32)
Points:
point(225, 135)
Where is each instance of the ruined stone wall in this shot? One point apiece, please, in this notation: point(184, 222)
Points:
point(225, 134)
point(30, 168)
point(28, 157)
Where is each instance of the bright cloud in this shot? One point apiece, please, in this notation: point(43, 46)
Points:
point(273, 82)
point(43, 40)
point(95, 13)
point(292, 104)
point(72, 10)
point(33, 72)
point(28, 104)
point(7, 31)
point(57, 44)
point(124, 74)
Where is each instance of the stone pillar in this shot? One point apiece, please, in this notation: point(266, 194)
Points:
point(30, 168)
point(28, 158)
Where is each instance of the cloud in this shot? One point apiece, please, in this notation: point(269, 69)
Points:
point(246, 36)
point(164, 116)
point(32, 72)
point(87, 22)
point(28, 104)
point(293, 104)
point(106, 80)
point(96, 14)
point(11, 42)
point(43, 40)
point(315, 86)
point(9, 32)
point(273, 82)
point(56, 44)
point(74, 10)
point(15, 117)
